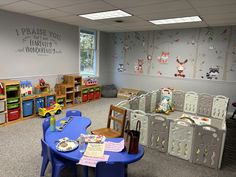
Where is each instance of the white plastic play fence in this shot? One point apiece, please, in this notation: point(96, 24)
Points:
point(199, 143)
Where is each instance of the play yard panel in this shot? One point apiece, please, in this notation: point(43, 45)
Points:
point(142, 103)
point(158, 134)
point(134, 103)
point(204, 105)
point(191, 102)
point(154, 100)
point(207, 146)
point(180, 139)
point(219, 107)
point(178, 100)
point(143, 118)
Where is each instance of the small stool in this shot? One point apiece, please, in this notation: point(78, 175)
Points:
point(234, 105)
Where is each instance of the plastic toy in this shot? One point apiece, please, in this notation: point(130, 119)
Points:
point(165, 107)
point(1, 89)
point(41, 82)
point(51, 110)
point(26, 88)
point(90, 81)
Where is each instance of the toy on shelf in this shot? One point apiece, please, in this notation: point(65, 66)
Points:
point(55, 108)
point(26, 88)
point(90, 81)
point(1, 89)
point(43, 87)
point(42, 82)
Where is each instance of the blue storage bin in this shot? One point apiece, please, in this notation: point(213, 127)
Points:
point(28, 108)
point(50, 100)
point(39, 103)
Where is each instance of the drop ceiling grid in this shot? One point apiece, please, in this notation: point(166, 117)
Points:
point(214, 13)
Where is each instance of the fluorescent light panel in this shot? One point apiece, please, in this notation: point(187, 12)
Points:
point(106, 15)
point(176, 20)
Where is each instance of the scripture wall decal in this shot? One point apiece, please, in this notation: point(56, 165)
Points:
point(41, 42)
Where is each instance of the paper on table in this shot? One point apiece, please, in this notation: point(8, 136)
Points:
point(92, 161)
point(114, 147)
point(94, 150)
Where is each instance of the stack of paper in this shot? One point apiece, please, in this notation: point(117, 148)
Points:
point(114, 147)
point(92, 161)
point(94, 150)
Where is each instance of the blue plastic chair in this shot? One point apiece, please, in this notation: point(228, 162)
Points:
point(73, 113)
point(45, 125)
point(57, 163)
point(110, 169)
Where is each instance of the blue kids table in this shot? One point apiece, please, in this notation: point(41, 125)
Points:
point(73, 129)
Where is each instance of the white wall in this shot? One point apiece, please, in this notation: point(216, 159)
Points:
point(16, 63)
point(149, 82)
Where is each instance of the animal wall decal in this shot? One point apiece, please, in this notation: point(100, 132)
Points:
point(139, 66)
point(180, 68)
point(163, 59)
point(213, 73)
point(121, 68)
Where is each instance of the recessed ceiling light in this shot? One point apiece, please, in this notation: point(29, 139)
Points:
point(106, 15)
point(176, 20)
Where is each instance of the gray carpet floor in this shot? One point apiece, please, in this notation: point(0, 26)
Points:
point(20, 151)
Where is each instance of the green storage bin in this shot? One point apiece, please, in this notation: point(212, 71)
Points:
point(13, 100)
point(97, 89)
point(12, 106)
point(12, 88)
point(85, 91)
point(60, 100)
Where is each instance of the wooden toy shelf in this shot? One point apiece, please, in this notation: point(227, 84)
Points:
point(33, 98)
point(12, 105)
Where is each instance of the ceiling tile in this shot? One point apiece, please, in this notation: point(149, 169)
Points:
point(49, 13)
point(58, 3)
point(184, 25)
point(110, 28)
point(220, 17)
point(24, 7)
point(76, 20)
point(68, 18)
point(134, 25)
point(210, 3)
point(217, 9)
point(163, 15)
point(157, 7)
point(94, 6)
point(5, 2)
point(142, 28)
point(133, 3)
point(130, 19)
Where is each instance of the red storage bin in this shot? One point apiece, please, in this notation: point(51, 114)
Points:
point(13, 114)
point(84, 97)
point(91, 95)
point(97, 95)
